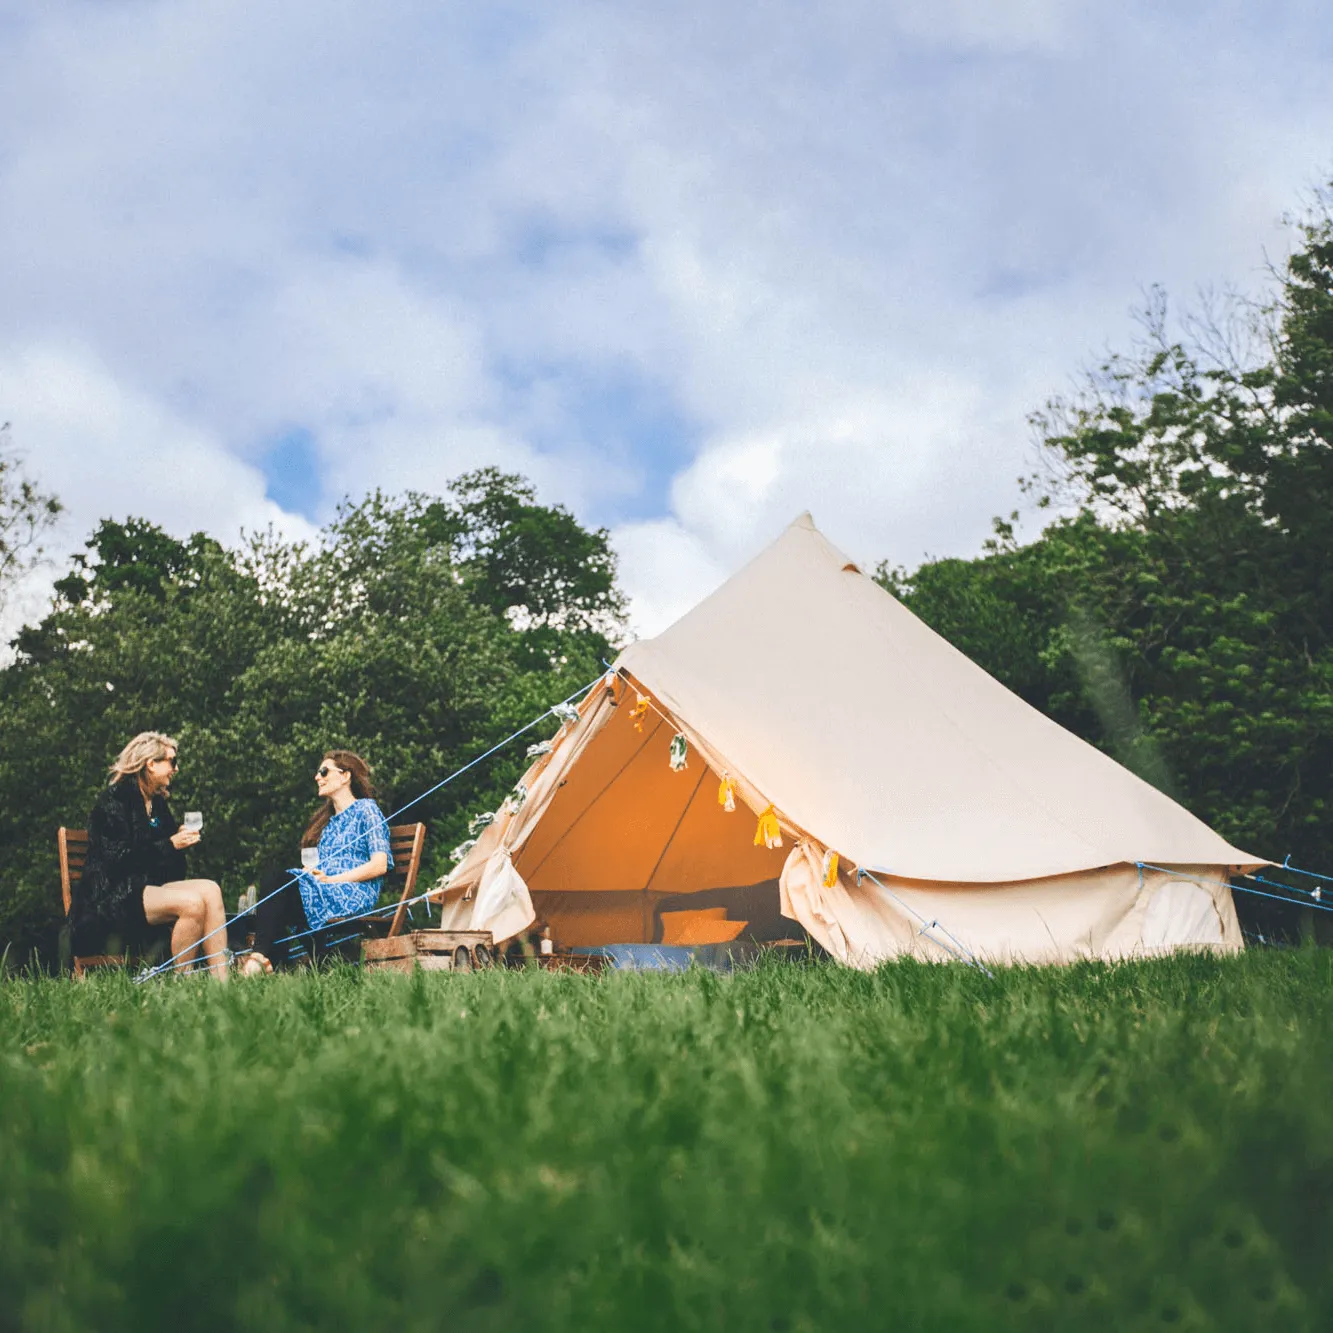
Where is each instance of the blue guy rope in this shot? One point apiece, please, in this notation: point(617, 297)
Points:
point(172, 964)
point(965, 956)
point(1314, 895)
point(1310, 874)
point(1242, 888)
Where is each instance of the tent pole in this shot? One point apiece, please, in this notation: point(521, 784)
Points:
point(666, 847)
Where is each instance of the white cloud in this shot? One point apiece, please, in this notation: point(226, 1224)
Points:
point(839, 251)
point(669, 567)
point(107, 448)
point(1038, 25)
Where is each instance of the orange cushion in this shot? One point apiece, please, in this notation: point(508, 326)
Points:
point(704, 925)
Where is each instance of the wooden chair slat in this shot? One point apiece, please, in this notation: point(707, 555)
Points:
point(406, 841)
point(72, 846)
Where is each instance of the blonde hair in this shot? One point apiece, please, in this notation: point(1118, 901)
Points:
point(142, 750)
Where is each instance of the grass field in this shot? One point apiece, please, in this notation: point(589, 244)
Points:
point(791, 1148)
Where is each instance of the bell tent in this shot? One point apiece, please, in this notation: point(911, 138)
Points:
point(800, 748)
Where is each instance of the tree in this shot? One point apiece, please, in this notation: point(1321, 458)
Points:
point(26, 513)
point(381, 638)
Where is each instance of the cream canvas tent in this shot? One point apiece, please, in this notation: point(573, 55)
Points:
point(965, 823)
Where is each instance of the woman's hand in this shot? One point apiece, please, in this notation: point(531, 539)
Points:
point(184, 837)
point(376, 868)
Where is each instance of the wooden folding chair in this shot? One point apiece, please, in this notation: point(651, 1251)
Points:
point(72, 844)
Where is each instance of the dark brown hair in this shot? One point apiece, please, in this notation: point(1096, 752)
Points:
point(362, 787)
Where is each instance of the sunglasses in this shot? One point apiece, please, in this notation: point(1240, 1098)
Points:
point(324, 770)
point(171, 763)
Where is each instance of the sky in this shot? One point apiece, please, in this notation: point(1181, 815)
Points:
point(692, 268)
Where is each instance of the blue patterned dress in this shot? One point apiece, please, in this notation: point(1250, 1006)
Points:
point(349, 840)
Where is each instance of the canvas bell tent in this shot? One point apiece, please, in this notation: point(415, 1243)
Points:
point(800, 748)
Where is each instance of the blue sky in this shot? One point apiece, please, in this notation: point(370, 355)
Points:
point(692, 268)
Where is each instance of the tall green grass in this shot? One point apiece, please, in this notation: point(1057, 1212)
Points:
point(791, 1148)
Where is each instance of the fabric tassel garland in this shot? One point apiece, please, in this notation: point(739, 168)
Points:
point(639, 712)
point(768, 834)
point(679, 749)
point(541, 748)
point(479, 822)
point(567, 714)
point(726, 795)
point(830, 869)
point(462, 850)
point(518, 798)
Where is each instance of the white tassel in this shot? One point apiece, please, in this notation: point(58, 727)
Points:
point(679, 749)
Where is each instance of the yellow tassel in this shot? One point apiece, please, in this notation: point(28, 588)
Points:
point(768, 834)
point(830, 869)
point(638, 712)
point(726, 795)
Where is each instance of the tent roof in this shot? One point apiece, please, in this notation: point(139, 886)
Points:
point(878, 738)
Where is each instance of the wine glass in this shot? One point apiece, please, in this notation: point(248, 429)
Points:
point(193, 821)
point(309, 858)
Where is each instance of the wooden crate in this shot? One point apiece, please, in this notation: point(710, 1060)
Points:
point(430, 950)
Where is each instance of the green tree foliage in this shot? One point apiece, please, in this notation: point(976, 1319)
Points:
point(1180, 611)
point(418, 631)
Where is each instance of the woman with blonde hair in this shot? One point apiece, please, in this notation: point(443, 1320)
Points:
point(134, 876)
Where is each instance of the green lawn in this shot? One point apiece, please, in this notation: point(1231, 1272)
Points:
point(1144, 1146)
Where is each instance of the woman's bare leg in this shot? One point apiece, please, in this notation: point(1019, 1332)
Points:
point(183, 908)
point(194, 907)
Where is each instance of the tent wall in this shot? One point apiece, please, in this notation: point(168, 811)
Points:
point(1113, 912)
point(622, 820)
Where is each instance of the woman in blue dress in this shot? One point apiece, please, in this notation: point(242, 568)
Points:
point(352, 837)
